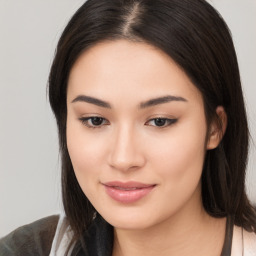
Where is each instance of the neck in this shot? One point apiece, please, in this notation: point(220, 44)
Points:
point(190, 231)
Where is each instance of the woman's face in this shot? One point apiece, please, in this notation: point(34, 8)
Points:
point(136, 133)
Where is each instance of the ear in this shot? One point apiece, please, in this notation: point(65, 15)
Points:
point(217, 128)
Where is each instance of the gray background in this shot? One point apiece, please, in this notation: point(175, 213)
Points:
point(29, 160)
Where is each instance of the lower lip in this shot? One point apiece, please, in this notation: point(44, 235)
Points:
point(127, 196)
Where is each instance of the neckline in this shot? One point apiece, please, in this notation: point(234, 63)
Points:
point(99, 239)
point(227, 246)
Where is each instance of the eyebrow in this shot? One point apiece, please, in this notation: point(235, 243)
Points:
point(161, 100)
point(92, 100)
point(145, 104)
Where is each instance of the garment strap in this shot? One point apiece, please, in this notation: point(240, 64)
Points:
point(226, 250)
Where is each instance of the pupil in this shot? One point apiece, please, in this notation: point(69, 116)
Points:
point(97, 120)
point(160, 122)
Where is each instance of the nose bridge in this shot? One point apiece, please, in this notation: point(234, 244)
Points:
point(124, 152)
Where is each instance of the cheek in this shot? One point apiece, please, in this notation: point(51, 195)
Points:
point(178, 161)
point(85, 155)
point(180, 156)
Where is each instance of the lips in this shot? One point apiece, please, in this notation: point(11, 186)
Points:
point(127, 192)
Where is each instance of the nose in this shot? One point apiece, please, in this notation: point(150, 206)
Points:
point(125, 151)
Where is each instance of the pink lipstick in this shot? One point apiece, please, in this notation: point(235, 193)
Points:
point(127, 192)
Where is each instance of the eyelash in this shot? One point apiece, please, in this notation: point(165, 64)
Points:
point(85, 121)
point(167, 122)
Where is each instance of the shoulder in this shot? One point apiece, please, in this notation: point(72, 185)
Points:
point(244, 242)
point(32, 239)
point(98, 238)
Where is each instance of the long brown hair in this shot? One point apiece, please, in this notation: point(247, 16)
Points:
point(196, 37)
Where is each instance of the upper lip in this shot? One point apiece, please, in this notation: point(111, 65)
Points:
point(129, 184)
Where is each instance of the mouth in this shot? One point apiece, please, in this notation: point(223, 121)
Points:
point(127, 192)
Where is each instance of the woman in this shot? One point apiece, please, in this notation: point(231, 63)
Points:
point(153, 135)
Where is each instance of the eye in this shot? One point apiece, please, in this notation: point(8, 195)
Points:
point(161, 122)
point(94, 121)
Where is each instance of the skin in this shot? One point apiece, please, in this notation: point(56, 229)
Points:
point(130, 146)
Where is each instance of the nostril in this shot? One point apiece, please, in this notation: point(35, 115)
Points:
point(125, 161)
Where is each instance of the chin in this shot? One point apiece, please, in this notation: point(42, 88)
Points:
point(129, 224)
point(130, 219)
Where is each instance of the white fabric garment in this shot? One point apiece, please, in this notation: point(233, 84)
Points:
point(63, 236)
point(241, 239)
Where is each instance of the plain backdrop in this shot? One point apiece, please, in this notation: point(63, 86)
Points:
point(29, 158)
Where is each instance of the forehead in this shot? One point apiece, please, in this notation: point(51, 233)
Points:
point(133, 70)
